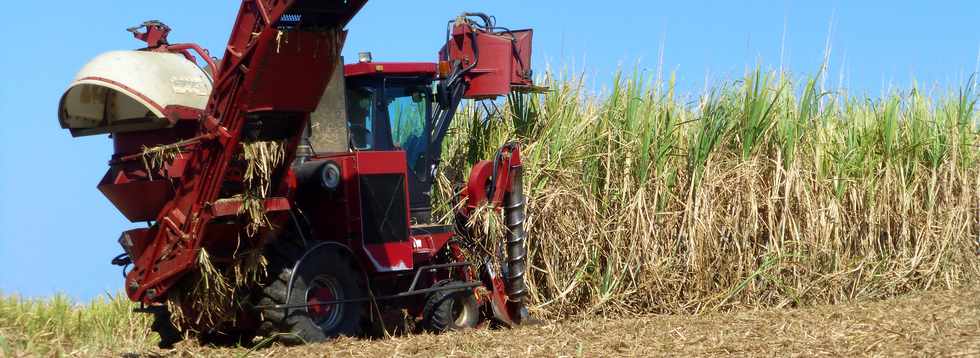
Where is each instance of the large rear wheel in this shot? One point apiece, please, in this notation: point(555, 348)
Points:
point(327, 274)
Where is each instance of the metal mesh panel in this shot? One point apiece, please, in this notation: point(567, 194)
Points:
point(383, 208)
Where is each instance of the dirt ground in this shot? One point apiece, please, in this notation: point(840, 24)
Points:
point(938, 323)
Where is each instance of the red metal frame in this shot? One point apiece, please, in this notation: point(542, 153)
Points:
point(389, 68)
point(337, 216)
point(276, 74)
point(500, 60)
point(483, 171)
point(392, 256)
point(256, 66)
point(475, 195)
point(498, 63)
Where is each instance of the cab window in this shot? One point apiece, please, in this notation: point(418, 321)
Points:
point(408, 108)
point(360, 107)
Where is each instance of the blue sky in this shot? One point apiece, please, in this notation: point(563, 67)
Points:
point(57, 232)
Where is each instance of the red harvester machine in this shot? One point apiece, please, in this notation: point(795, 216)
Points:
point(349, 238)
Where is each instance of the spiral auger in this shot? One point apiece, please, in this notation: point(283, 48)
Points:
point(516, 236)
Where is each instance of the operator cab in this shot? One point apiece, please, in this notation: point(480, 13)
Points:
point(389, 107)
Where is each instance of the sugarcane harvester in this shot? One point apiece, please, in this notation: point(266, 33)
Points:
point(289, 195)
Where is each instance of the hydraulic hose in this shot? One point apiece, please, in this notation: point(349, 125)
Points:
point(514, 217)
point(488, 22)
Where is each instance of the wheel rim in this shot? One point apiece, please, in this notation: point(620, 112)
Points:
point(324, 288)
point(462, 311)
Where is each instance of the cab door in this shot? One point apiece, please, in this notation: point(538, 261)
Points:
point(407, 107)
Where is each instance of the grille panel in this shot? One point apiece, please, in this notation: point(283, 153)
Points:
point(383, 208)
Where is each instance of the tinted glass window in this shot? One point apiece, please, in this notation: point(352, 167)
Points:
point(408, 108)
point(360, 107)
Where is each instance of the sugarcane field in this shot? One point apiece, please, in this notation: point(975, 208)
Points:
point(499, 179)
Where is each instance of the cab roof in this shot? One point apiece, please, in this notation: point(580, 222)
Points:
point(389, 68)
